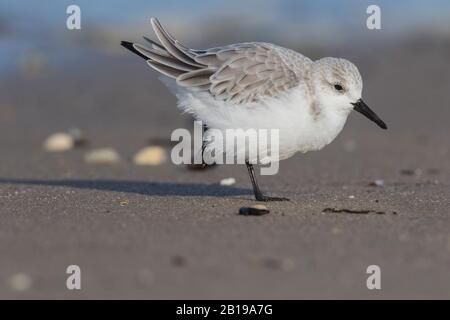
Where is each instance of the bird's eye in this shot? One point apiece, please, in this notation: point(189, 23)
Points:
point(338, 87)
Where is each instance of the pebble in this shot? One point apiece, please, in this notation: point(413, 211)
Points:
point(20, 282)
point(377, 183)
point(255, 210)
point(284, 264)
point(411, 172)
point(178, 261)
point(77, 136)
point(227, 182)
point(151, 156)
point(59, 142)
point(102, 156)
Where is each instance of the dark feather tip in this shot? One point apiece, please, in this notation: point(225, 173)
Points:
point(129, 46)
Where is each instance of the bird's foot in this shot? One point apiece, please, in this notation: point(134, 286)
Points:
point(267, 198)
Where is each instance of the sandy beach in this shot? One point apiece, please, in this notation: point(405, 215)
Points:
point(167, 232)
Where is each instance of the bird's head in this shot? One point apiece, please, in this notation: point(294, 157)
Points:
point(338, 87)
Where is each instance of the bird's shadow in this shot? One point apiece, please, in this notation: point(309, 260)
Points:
point(163, 189)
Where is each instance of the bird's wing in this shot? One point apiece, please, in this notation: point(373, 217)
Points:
point(239, 73)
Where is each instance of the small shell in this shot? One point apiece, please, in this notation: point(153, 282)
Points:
point(227, 182)
point(59, 142)
point(150, 156)
point(102, 156)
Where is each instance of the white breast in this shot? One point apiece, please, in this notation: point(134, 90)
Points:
point(300, 130)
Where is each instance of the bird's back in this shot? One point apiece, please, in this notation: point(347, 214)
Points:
point(237, 74)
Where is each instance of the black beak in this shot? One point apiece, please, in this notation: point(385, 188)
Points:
point(364, 109)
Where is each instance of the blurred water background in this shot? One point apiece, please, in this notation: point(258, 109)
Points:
point(38, 27)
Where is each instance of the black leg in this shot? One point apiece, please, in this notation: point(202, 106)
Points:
point(258, 194)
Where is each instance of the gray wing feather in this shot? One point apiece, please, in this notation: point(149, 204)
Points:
point(252, 72)
point(239, 73)
point(195, 78)
point(168, 71)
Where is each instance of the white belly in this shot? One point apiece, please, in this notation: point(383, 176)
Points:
point(299, 129)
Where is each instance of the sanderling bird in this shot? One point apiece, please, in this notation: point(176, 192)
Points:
point(257, 85)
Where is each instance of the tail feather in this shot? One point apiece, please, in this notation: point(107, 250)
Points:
point(172, 46)
point(155, 45)
point(171, 58)
point(168, 71)
point(163, 58)
point(130, 46)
